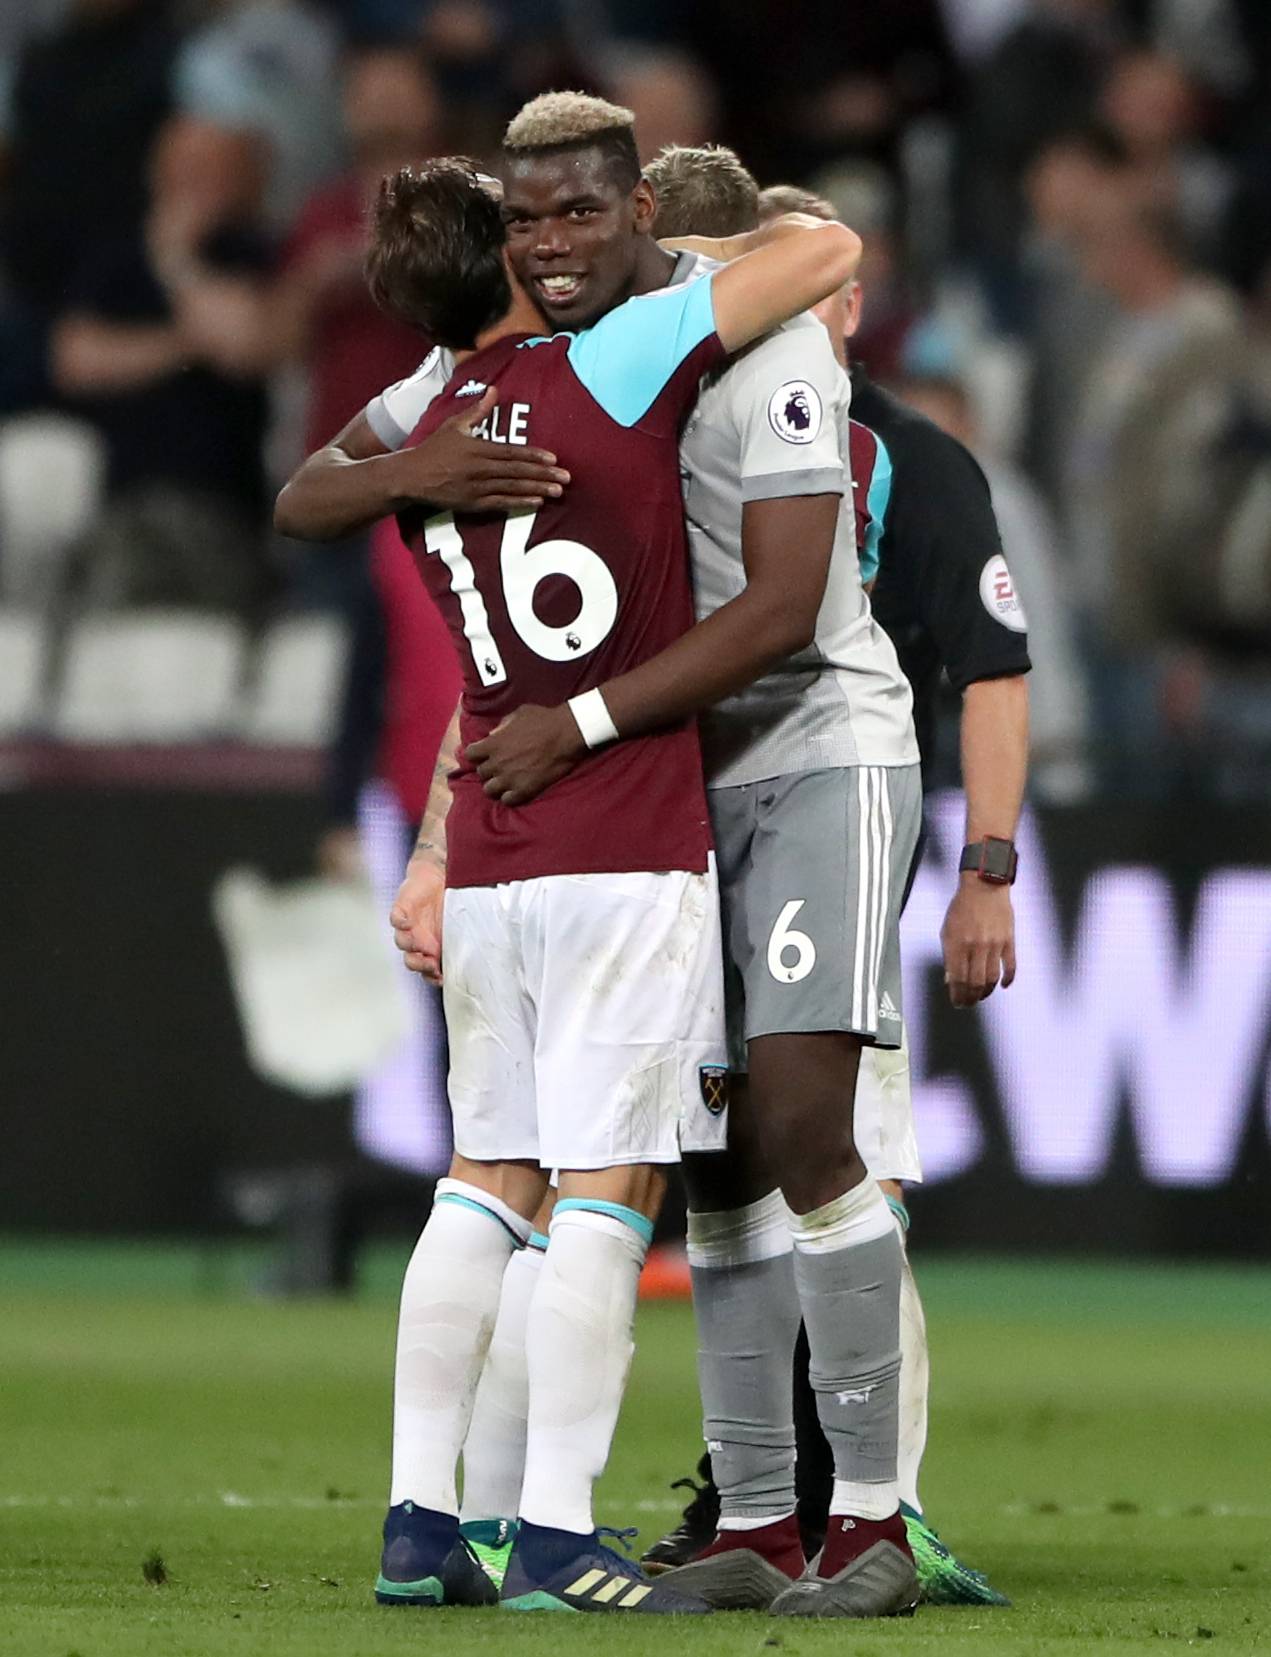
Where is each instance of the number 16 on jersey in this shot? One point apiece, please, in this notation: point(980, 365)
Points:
point(522, 568)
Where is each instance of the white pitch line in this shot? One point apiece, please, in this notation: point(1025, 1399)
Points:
point(226, 1498)
point(235, 1499)
point(232, 1499)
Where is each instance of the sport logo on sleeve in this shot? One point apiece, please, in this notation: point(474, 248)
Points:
point(794, 412)
point(998, 595)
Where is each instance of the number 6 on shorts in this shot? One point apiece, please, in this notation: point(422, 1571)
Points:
point(785, 938)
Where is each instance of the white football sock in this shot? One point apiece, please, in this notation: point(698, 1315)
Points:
point(450, 1297)
point(494, 1451)
point(579, 1350)
point(914, 1379)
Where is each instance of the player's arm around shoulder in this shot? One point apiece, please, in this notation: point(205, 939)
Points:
point(781, 406)
point(359, 477)
point(774, 273)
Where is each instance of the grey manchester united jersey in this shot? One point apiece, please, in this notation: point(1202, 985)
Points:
point(774, 423)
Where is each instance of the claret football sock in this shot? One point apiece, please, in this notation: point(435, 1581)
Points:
point(747, 1313)
point(848, 1538)
point(847, 1265)
point(578, 1350)
point(450, 1298)
point(744, 1570)
point(494, 1451)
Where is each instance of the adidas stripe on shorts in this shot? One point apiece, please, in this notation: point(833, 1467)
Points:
point(812, 869)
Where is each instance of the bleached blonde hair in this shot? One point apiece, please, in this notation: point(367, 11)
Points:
point(556, 119)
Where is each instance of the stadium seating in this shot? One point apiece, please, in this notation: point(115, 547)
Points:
point(293, 694)
point(23, 653)
point(51, 475)
point(150, 676)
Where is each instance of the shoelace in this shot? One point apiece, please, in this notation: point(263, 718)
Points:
point(626, 1536)
point(703, 1502)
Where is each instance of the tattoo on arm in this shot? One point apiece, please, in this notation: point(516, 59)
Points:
point(431, 842)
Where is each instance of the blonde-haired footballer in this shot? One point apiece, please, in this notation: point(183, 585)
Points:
point(813, 788)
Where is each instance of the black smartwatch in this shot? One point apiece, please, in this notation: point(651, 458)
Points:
point(992, 859)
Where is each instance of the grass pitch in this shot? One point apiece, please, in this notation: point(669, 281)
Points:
point(187, 1472)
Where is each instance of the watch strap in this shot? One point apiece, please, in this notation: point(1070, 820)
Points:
point(993, 859)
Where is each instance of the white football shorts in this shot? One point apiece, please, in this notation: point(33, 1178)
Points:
point(586, 1019)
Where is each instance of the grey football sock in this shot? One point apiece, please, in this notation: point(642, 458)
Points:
point(851, 1307)
point(747, 1314)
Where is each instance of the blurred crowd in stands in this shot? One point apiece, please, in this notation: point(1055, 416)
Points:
point(1066, 207)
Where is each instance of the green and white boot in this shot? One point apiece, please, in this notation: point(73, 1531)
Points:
point(491, 1541)
point(942, 1577)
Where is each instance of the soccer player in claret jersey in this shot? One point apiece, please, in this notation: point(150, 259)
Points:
point(583, 981)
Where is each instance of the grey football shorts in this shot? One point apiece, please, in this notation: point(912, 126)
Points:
point(812, 869)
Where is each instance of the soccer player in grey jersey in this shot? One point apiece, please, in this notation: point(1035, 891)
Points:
point(703, 182)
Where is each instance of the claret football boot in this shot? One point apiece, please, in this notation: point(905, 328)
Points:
point(865, 1569)
point(558, 1570)
point(744, 1570)
point(697, 1526)
point(426, 1562)
point(942, 1576)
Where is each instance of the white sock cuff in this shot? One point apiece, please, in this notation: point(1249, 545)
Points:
point(740, 1236)
point(864, 1501)
point(860, 1215)
point(484, 1202)
point(752, 1521)
point(609, 1225)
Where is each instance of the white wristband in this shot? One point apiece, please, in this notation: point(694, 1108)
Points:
point(592, 718)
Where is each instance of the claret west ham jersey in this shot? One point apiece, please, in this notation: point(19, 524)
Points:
point(544, 605)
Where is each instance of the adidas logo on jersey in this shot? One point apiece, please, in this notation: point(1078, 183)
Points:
point(472, 388)
point(887, 1007)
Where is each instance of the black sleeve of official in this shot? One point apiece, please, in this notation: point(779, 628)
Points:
point(942, 525)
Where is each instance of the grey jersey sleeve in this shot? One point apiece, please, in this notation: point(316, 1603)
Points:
point(785, 397)
point(396, 411)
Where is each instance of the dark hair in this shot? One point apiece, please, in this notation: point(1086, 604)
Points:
point(616, 149)
point(436, 256)
point(703, 191)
